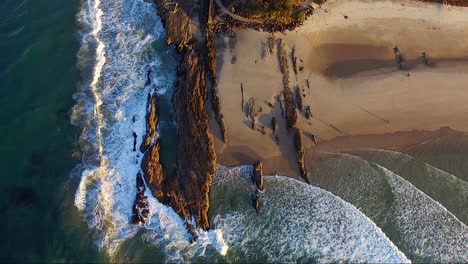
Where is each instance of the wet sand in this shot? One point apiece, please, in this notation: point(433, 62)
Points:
point(355, 86)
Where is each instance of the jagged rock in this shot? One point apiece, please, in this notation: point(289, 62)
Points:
point(153, 170)
point(299, 98)
point(300, 154)
point(151, 122)
point(271, 43)
point(177, 22)
point(135, 136)
point(187, 190)
point(217, 111)
point(141, 205)
point(197, 158)
point(308, 113)
point(256, 201)
point(222, 125)
point(289, 101)
point(280, 101)
point(257, 175)
point(294, 59)
point(148, 77)
point(274, 125)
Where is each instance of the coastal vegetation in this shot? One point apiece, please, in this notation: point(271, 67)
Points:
point(279, 10)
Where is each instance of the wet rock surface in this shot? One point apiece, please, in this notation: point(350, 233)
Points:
point(186, 191)
point(257, 175)
point(141, 205)
point(298, 143)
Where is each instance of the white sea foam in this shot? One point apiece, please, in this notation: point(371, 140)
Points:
point(430, 231)
point(420, 226)
point(115, 57)
point(298, 222)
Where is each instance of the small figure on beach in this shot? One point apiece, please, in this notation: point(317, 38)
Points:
point(396, 50)
point(425, 59)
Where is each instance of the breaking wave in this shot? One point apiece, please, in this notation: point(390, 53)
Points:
point(297, 223)
point(420, 226)
point(123, 57)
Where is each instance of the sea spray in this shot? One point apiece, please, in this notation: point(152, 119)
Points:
point(117, 52)
point(297, 223)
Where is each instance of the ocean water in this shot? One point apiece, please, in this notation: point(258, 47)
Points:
point(74, 78)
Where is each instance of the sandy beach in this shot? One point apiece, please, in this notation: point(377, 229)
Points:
point(348, 75)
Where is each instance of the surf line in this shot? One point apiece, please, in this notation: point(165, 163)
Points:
point(101, 60)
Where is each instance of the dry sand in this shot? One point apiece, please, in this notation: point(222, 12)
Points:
point(355, 86)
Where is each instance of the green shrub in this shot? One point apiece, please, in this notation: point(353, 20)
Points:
point(273, 9)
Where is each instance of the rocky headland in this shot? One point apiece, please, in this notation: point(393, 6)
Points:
point(196, 28)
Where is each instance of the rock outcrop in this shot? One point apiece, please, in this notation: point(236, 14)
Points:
point(141, 205)
point(274, 125)
point(257, 175)
point(175, 17)
point(299, 103)
point(151, 122)
point(187, 190)
point(308, 112)
point(256, 201)
point(152, 168)
point(289, 100)
point(300, 154)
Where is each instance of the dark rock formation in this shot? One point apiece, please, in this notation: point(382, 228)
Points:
point(256, 201)
point(294, 59)
point(177, 22)
point(289, 101)
point(299, 104)
point(300, 154)
point(217, 111)
point(135, 136)
point(211, 76)
point(153, 171)
point(141, 205)
point(151, 122)
point(308, 113)
point(274, 125)
point(257, 175)
point(187, 190)
point(148, 77)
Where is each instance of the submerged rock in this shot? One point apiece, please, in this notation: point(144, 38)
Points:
point(256, 201)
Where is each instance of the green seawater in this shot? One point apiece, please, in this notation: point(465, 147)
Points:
point(402, 195)
point(38, 76)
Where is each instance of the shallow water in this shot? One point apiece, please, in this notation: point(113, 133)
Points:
point(67, 190)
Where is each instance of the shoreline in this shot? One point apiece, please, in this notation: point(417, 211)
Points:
point(347, 75)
